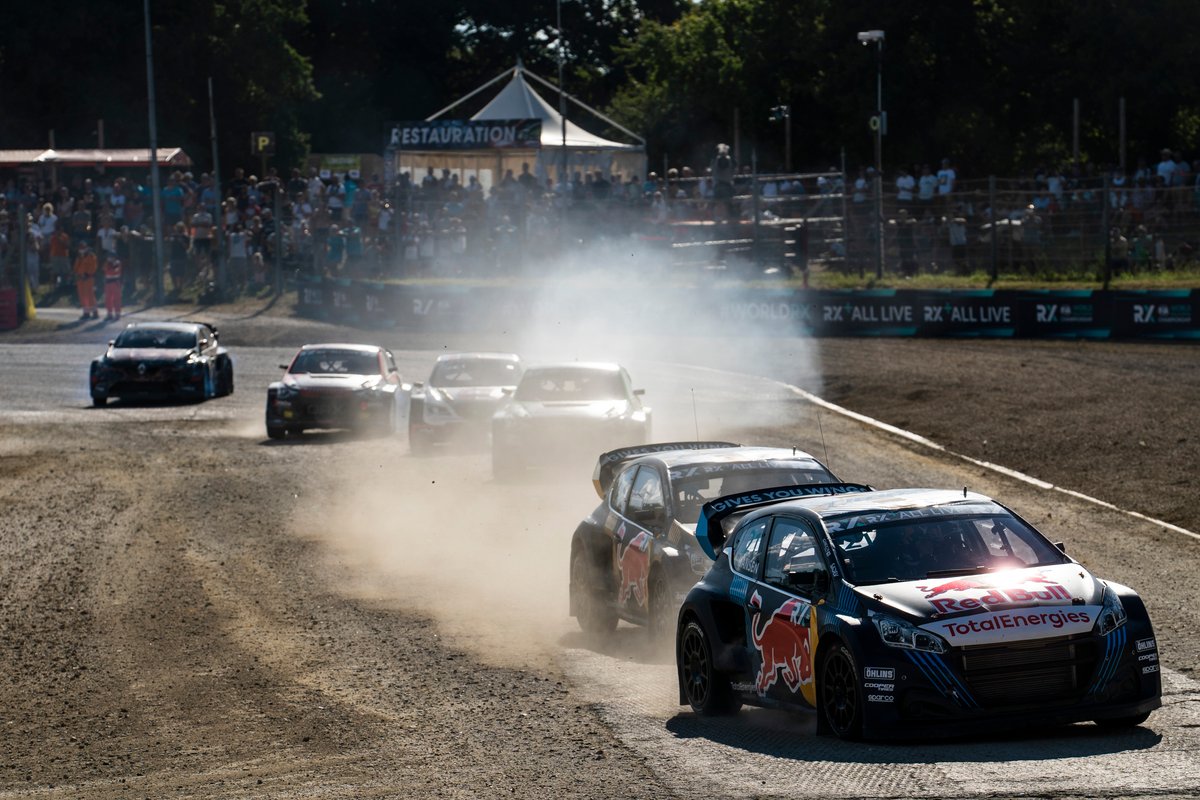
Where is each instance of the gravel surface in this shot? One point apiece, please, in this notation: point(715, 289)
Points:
point(174, 624)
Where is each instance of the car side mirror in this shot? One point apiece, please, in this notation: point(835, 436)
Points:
point(809, 580)
point(283, 366)
point(1061, 546)
point(111, 342)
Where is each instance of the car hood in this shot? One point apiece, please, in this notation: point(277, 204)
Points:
point(472, 394)
point(146, 354)
point(326, 381)
point(587, 409)
point(997, 606)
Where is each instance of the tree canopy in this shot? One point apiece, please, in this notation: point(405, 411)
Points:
point(989, 83)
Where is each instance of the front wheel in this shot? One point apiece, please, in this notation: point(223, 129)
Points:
point(593, 610)
point(839, 694)
point(225, 378)
point(708, 692)
point(99, 401)
point(276, 431)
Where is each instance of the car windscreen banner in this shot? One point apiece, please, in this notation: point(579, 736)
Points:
point(610, 462)
point(465, 134)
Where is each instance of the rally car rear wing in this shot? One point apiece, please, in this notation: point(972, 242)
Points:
point(608, 463)
point(709, 531)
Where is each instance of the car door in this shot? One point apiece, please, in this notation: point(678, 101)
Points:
point(633, 540)
point(781, 630)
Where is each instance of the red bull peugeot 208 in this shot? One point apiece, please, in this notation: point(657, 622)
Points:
point(907, 613)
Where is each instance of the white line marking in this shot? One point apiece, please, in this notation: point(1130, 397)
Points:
point(1012, 473)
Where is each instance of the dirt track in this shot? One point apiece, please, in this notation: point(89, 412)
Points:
point(173, 625)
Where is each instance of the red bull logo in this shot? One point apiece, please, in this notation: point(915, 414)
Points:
point(634, 563)
point(783, 644)
point(989, 593)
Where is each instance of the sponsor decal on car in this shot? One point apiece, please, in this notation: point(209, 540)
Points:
point(1150, 669)
point(880, 687)
point(880, 698)
point(634, 563)
point(987, 593)
point(1148, 657)
point(879, 673)
point(1022, 623)
point(783, 645)
point(1146, 644)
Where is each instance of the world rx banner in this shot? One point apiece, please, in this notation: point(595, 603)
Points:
point(466, 134)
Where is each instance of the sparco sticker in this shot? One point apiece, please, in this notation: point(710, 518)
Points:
point(880, 698)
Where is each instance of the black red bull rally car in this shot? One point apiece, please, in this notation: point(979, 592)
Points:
point(912, 612)
point(635, 557)
point(162, 360)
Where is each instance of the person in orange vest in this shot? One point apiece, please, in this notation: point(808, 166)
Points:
point(112, 287)
point(85, 281)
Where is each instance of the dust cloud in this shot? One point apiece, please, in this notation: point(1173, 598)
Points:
point(489, 559)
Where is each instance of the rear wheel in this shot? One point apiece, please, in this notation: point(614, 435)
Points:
point(225, 378)
point(276, 431)
point(99, 400)
point(708, 692)
point(839, 694)
point(660, 608)
point(592, 608)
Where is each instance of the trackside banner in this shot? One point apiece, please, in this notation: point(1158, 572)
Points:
point(465, 134)
point(740, 312)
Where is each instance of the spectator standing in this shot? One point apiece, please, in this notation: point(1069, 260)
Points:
point(33, 249)
point(724, 169)
point(85, 280)
point(202, 239)
point(106, 240)
point(926, 187)
point(335, 199)
point(59, 248)
point(905, 184)
point(113, 284)
point(239, 256)
point(177, 256)
point(946, 178)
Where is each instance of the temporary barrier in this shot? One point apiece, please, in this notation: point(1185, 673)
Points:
point(1072, 314)
point(9, 317)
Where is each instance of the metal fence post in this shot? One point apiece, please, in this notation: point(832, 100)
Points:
point(1104, 223)
point(995, 225)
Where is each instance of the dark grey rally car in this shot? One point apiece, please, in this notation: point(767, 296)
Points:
point(456, 404)
point(162, 360)
point(354, 386)
point(635, 556)
point(907, 613)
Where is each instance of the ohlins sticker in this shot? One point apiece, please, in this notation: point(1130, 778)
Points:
point(1044, 589)
point(783, 644)
point(879, 673)
point(1017, 624)
point(1146, 644)
point(634, 563)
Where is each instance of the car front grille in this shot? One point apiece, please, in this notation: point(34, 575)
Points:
point(1025, 673)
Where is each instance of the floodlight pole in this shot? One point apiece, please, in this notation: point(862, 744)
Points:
point(866, 38)
point(562, 96)
point(156, 200)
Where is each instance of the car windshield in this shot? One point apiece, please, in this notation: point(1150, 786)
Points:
point(336, 362)
point(570, 384)
point(910, 550)
point(160, 338)
point(475, 372)
point(692, 492)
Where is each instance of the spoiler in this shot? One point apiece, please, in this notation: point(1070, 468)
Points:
point(608, 463)
point(711, 535)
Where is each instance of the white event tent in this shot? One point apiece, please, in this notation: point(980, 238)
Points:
point(565, 148)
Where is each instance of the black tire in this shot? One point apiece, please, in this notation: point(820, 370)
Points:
point(99, 401)
point(225, 378)
point(1131, 721)
point(276, 432)
point(660, 608)
point(593, 610)
point(708, 692)
point(839, 694)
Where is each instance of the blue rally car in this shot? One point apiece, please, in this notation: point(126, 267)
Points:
point(910, 612)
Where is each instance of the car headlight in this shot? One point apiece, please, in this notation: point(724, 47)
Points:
point(1112, 615)
point(898, 633)
point(286, 392)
